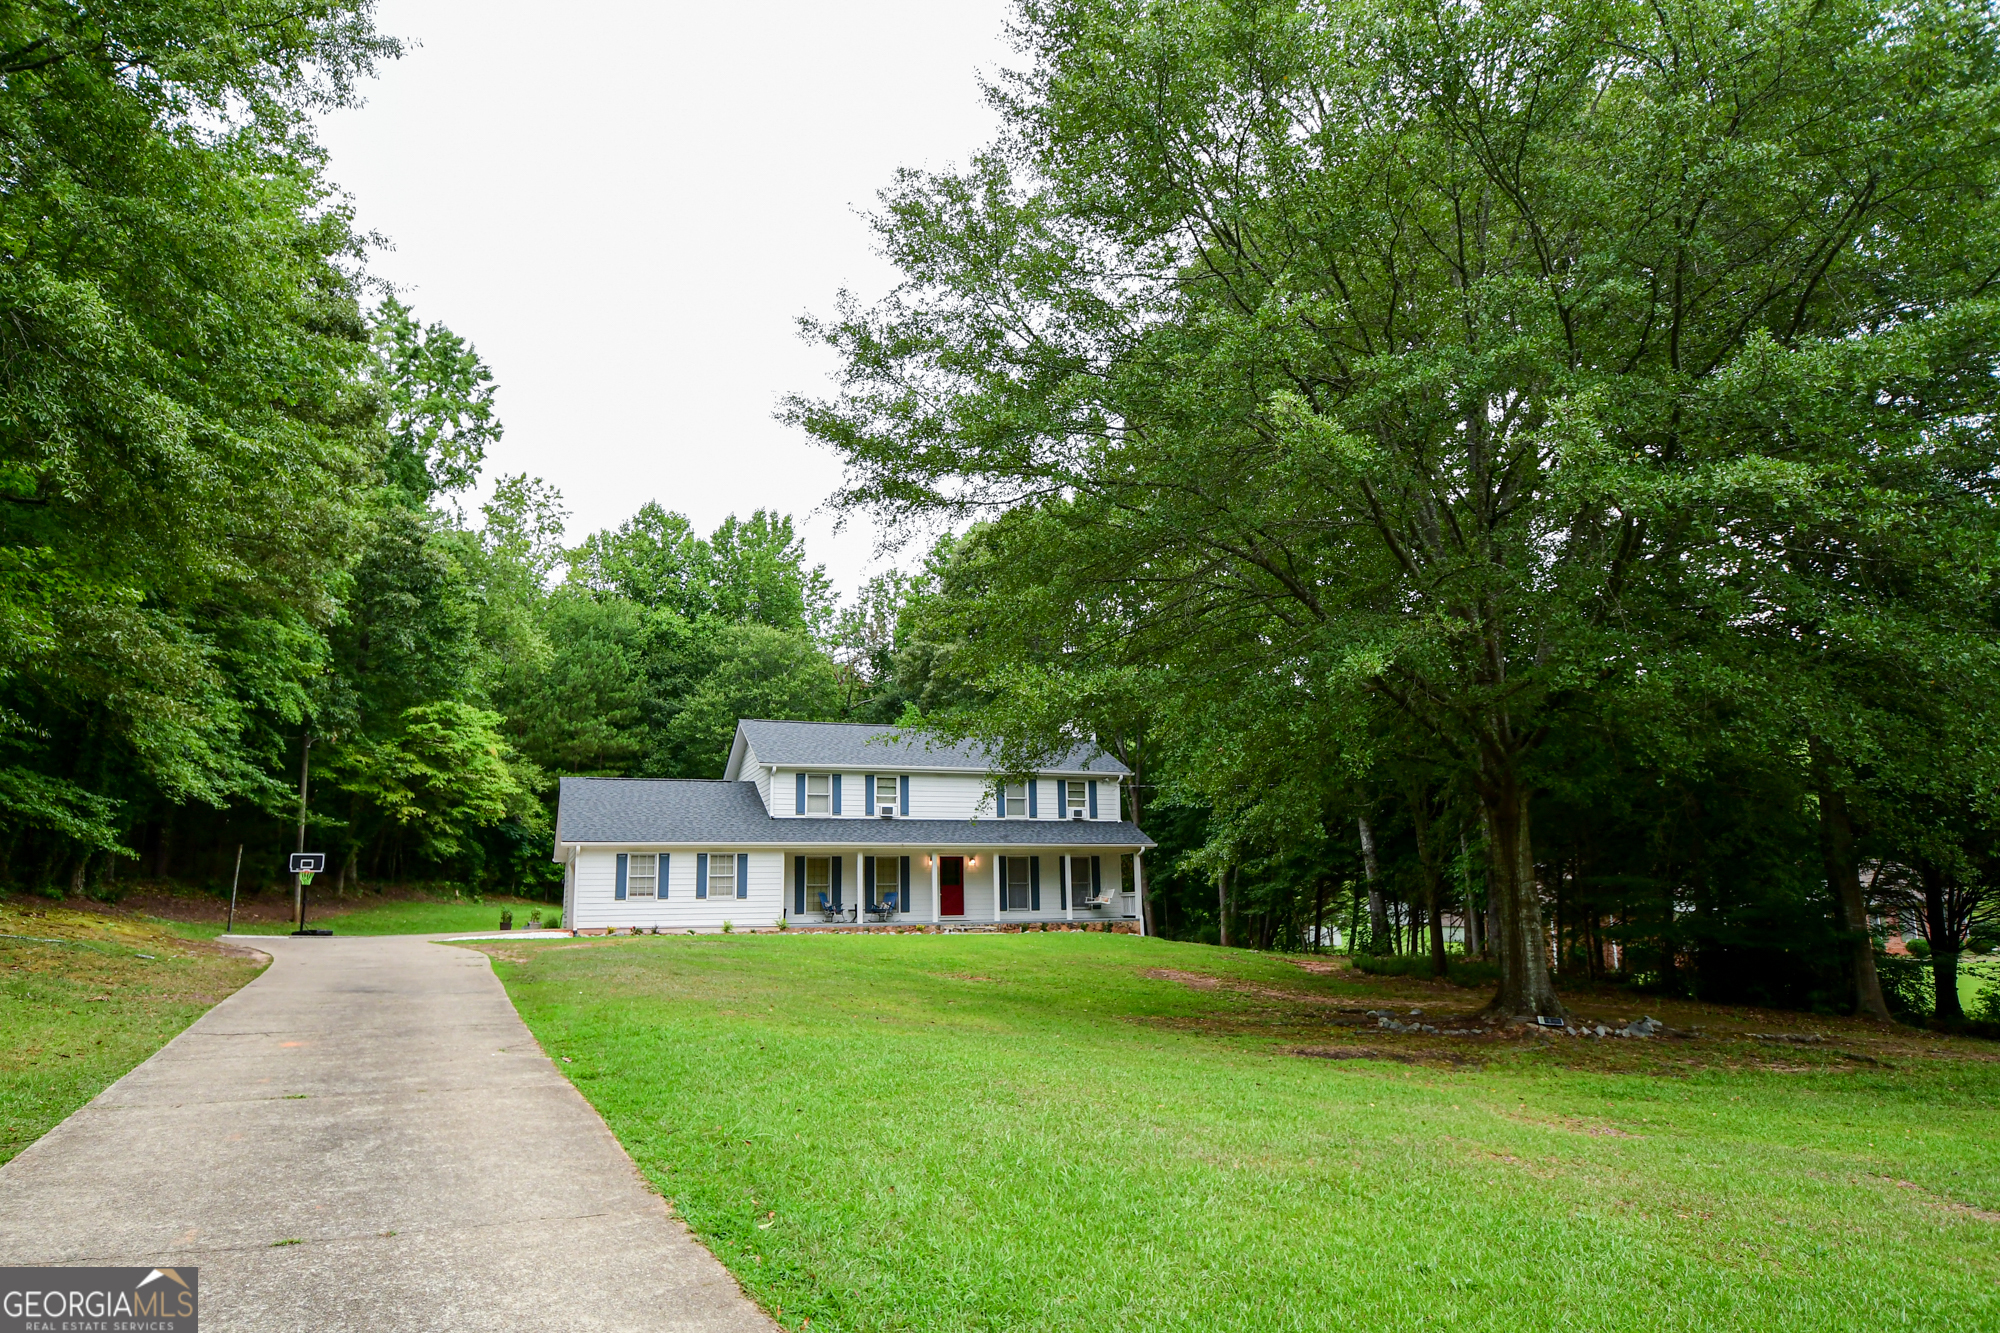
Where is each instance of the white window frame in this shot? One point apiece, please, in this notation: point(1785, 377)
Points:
point(893, 800)
point(824, 865)
point(1077, 797)
point(633, 860)
point(1017, 800)
point(721, 859)
point(824, 795)
point(1027, 885)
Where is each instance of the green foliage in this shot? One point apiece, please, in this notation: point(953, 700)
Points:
point(746, 570)
point(442, 771)
point(182, 427)
point(754, 670)
point(438, 400)
point(1496, 408)
point(1462, 971)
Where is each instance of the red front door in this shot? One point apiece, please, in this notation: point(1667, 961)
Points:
point(951, 886)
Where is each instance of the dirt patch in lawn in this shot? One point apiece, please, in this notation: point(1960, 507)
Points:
point(1696, 1036)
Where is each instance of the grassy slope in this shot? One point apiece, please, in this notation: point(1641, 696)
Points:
point(406, 917)
point(76, 1015)
point(1028, 1132)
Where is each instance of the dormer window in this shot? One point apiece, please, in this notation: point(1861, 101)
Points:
point(819, 793)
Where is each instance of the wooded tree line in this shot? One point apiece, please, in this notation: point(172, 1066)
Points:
point(1561, 435)
point(233, 528)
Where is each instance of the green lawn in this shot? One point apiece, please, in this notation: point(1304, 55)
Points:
point(1029, 1132)
point(81, 1003)
point(403, 917)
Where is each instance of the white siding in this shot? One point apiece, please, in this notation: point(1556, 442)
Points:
point(597, 907)
point(932, 795)
point(950, 796)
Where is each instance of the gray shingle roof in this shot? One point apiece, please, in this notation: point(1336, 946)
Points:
point(686, 810)
point(859, 745)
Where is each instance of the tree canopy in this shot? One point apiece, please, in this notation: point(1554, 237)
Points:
point(1430, 396)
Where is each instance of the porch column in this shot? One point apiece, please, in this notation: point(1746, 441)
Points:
point(998, 887)
point(937, 914)
point(1066, 877)
point(1139, 884)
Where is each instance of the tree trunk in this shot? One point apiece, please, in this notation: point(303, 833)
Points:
point(1843, 877)
point(1319, 914)
point(1475, 938)
point(1420, 817)
point(1440, 961)
point(1378, 917)
point(1521, 946)
point(1222, 906)
point(1944, 944)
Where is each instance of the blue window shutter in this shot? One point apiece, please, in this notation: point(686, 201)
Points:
point(701, 874)
point(836, 793)
point(834, 871)
point(868, 786)
point(1032, 784)
point(802, 793)
point(904, 794)
point(1096, 877)
point(1000, 799)
point(619, 892)
point(868, 898)
point(1062, 798)
point(660, 881)
point(1093, 798)
point(742, 874)
point(1062, 883)
point(904, 905)
point(1035, 883)
point(999, 883)
point(799, 885)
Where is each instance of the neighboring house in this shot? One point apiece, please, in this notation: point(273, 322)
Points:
point(826, 822)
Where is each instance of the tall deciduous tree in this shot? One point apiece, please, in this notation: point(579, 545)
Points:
point(1415, 358)
point(182, 436)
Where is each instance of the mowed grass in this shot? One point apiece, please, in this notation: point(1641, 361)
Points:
point(81, 1003)
point(405, 917)
point(1032, 1132)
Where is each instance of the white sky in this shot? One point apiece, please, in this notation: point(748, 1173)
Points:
point(625, 207)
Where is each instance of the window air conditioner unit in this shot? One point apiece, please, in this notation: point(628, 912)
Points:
point(888, 812)
point(1076, 814)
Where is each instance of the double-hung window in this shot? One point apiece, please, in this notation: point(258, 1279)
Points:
point(642, 875)
point(1017, 800)
point(889, 882)
point(1017, 884)
point(1076, 798)
point(819, 793)
point(885, 795)
point(722, 874)
point(819, 883)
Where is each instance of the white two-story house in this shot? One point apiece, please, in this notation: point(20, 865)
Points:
point(826, 823)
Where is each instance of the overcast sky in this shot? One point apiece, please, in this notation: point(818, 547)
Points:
point(626, 206)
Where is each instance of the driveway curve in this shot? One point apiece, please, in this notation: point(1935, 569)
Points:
point(366, 1137)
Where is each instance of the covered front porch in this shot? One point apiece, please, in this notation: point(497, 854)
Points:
point(892, 887)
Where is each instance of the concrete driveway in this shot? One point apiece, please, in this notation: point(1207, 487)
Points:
point(378, 1102)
